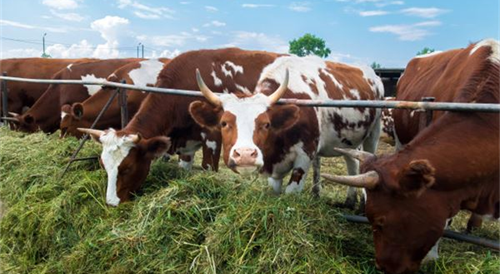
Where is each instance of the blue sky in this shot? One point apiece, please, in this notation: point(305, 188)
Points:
point(357, 31)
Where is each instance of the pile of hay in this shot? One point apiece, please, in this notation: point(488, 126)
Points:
point(196, 222)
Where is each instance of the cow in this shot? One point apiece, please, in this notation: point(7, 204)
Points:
point(82, 115)
point(387, 129)
point(450, 165)
point(160, 115)
point(260, 136)
point(45, 114)
point(22, 95)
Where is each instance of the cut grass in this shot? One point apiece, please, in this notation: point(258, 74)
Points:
point(182, 222)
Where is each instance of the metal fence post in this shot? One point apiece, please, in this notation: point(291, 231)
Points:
point(428, 113)
point(122, 102)
point(5, 99)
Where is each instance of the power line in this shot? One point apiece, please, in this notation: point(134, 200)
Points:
point(48, 42)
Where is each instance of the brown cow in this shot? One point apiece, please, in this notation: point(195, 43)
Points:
point(23, 95)
point(167, 115)
point(450, 165)
point(82, 115)
point(45, 113)
point(387, 129)
point(260, 136)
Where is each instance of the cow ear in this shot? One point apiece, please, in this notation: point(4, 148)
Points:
point(284, 117)
point(157, 146)
point(77, 110)
point(417, 177)
point(205, 114)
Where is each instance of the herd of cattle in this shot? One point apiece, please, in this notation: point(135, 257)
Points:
point(438, 169)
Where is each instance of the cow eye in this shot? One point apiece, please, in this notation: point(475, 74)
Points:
point(266, 126)
point(223, 124)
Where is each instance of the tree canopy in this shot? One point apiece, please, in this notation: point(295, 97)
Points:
point(425, 50)
point(309, 44)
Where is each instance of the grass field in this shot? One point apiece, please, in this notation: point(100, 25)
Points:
point(183, 222)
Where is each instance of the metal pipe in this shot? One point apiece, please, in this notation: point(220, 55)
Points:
point(5, 99)
point(307, 103)
point(447, 234)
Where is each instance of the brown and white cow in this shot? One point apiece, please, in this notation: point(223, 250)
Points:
point(387, 122)
point(82, 115)
point(450, 165)
point(258, 135)
point(161, 115)
point(45, 114)
point(22, 95)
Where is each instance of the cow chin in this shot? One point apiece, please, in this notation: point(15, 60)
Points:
point(246, 170)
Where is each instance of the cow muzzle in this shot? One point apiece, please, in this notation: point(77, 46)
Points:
point(245, 160)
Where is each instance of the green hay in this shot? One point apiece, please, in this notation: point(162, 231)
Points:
point(182, 222)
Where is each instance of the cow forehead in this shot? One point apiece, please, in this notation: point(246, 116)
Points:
point(115, 148)
point(245, 108)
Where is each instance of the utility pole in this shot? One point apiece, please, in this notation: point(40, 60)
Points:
point(44, 55)
point(142, 50)
point(138, 49)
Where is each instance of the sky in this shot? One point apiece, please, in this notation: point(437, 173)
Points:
point(389, 32)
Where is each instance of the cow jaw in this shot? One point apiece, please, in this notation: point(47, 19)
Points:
point(114, 150)
point(246, 111)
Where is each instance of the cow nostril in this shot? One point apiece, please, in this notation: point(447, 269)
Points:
point(236, 154)
point(254, 154)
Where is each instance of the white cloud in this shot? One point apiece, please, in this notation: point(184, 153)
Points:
point(373, 13)
point(185, 3)
point(383, 4)
point(173, 40)
point(61, 4)
point(21, 53)
point(146, 12)
point(195, 30)
point(82, 49)
point(214, 23)
point(165, 54)
point(75, 17)
point(26, 26)
point(211, 9)
point(300, 6)
point(257, 41)
point(412, 32)
point(254, 6)
point(424, 12)
point(110, 28)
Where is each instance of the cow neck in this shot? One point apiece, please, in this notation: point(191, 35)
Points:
point(46, 108)
point(159, 115)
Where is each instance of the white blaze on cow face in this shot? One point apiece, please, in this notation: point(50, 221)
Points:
point(146, 73)
point(246, 111)
point(92, 89)
point(114, 150)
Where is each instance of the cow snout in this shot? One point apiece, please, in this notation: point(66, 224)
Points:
point(245, 156)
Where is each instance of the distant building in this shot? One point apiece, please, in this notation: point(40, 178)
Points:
point(390, 77)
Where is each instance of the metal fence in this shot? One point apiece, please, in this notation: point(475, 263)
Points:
point(120, 90)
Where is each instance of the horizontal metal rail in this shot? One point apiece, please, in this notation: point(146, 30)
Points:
point(447, 234)
point(465, 107)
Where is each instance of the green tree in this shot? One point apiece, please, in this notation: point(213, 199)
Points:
point(375, 65)
point(425, 50)
point(309, 44)
point(45, 55)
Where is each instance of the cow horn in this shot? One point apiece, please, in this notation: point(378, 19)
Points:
point(273, 98)
point(93, 132)
point(13, 114)
point(368, 180)
point(136, 138)
point(209, 95)
point(361, 156)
